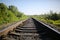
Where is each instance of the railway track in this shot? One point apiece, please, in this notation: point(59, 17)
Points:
point(32, 30)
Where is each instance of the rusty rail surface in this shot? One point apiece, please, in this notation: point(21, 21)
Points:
point(11, 27)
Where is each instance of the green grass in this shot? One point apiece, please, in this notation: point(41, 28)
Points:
point(56, 22)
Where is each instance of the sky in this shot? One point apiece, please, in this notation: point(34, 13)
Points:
point(34, 7)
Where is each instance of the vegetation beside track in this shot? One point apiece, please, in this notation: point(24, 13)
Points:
point(10, 14)
point(52, 18)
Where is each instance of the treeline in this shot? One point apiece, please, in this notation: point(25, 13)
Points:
point(10, 14)
point(50, 18)
point(53, 16)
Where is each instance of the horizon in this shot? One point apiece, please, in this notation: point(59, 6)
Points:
point(34, 7)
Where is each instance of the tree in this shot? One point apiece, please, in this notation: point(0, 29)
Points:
point(19, 14)
point(53, 16)
point(3, 9)
point(10, 14)
point(13, 9)
point(5, 14)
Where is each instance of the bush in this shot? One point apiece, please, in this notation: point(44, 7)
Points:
point(10, 14)
point(57, 23)
point(50, 21)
